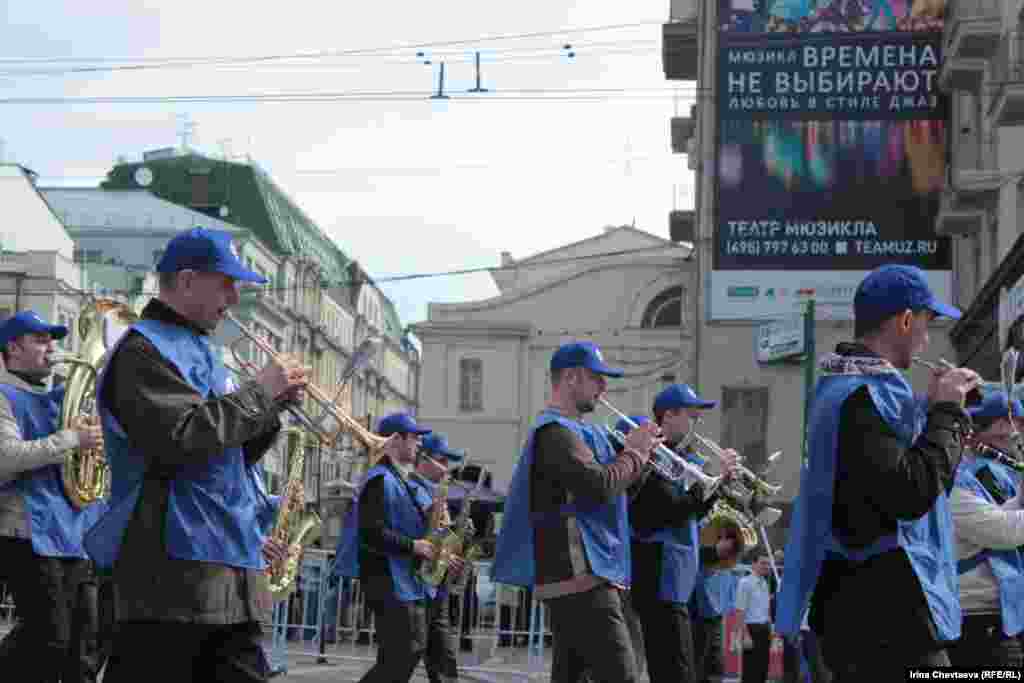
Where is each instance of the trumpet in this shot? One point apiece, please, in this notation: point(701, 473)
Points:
point(986, 451)
point(332, 420)
point(756, 483)
point(664, 461)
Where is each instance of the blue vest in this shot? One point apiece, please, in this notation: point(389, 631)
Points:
point(680, 556)
point(927, 541)
point(1006, 565)
point(715, 593)
point(407, 510)
point(55, 526)
point(218, 507)
point(604, 527)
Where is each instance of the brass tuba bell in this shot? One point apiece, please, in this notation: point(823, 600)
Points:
point(101, 323)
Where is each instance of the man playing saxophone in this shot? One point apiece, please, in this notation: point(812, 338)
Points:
point(666, 550)
point(432, 464)
point(989, 524)
point(44, 563)
point(185, 530)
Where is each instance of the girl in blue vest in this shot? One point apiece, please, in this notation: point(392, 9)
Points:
point(565, 531)
point(989, 521)
point(872, 535)
point(44, 563)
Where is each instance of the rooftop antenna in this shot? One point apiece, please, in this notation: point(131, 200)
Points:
point(439, 95)
point(478, 88)
point(187, 132)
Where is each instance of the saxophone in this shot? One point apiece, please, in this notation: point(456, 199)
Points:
point(471, 551)
point(442, 535)
point(85, 473)
point(291, 528)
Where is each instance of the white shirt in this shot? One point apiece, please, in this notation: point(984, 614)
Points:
point(980, 524)
point(754, 598)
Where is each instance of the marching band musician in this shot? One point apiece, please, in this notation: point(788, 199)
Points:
point(432, 463)
point(389, 526)
point(871, 524)
point(666, 550)
point(565, 532)
point(185, 533)
point(989, 522)
point(44, 563)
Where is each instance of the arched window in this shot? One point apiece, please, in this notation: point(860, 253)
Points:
point(665, 310)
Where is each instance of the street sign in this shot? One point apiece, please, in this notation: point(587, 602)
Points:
point(780, 340)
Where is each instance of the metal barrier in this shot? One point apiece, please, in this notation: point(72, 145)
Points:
point(500, 629)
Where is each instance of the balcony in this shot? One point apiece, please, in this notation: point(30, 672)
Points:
point(973, 28)
point(682, 131)
point(680, 53)
point(1007, 107)
point(968, 197)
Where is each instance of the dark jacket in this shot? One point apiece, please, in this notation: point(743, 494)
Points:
point(171, 425)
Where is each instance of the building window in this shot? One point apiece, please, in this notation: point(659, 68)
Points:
point(471, 384)
point(745, 423)
point(665, 310)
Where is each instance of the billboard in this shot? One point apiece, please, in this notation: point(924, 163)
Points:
point(831, 151)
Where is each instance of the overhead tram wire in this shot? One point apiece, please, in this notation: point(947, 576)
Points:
point(164, 62)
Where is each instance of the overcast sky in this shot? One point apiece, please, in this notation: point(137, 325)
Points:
point(403, 186)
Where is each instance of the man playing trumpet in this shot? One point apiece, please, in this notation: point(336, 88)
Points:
point(44, 563)
point(989, 521)
point(185, 533)
point(871, 524)
point(566, 532)
point(666, 550)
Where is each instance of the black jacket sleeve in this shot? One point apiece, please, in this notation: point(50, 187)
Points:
point(171, 423)
point(374, 531)
point(877, 474)
point(660, 504)
point(560, 455)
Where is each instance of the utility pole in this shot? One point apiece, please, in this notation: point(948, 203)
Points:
point(809, 356)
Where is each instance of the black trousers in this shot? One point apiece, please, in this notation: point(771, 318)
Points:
point(442, 662)
point(172, 651)
point(668, 642)
point(884, 663)
point(982, 643)
point(401, 638)
point(790, 660)
point(756, 660)
point(47, 645)
point(707, 648)
point(591, 637)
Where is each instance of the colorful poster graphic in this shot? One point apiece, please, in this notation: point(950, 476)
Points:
point(831, 150)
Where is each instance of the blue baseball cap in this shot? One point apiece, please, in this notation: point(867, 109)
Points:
point(679, 396)
point(994, 405)
point(208, 251)
point(399, 423)
point(437, 444)
point(625, 427)
point(582, 355)
point(28, 322)
point(891, 289)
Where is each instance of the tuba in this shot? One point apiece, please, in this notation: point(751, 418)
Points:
point(101, 323)
point(291, 528)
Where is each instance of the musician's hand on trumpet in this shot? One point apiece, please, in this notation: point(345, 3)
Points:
point(284, 378)
point(643, 440)
point(730, 463)
point(952, 385)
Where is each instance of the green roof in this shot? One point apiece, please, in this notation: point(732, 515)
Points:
point(252, 198)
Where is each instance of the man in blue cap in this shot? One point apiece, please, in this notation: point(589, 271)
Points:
point(871, 524)
point(667, 555)
point(989, 521)
point(433, 461)
point(184, 445)
point(565, 531)
point(391, 517)
point(40, 530)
